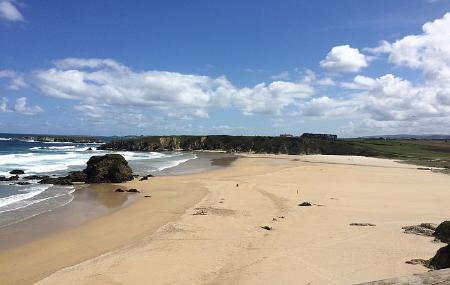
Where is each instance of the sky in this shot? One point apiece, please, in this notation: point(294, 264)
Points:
point(254, 67)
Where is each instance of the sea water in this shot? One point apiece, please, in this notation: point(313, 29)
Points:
point(20, 202)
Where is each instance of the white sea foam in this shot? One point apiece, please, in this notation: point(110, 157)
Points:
point(5, 139)
point(174, 163)
point(20, 204)
point(32, 191)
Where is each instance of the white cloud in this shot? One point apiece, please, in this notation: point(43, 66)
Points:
point(22, 108)
point(100, 82)
point(3, 104)
point(9, 12)
point(344, 59)
point(284, 75)
point(326, 81)
point(16, 81)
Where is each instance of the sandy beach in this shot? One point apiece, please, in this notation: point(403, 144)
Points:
point(205, 228)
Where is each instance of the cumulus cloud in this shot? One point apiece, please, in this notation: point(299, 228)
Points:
point(428, 51)
point(105, 82)
point(22, 108)
point(9, 11)
point(344, 59)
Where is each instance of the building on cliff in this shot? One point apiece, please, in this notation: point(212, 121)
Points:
point(328, 137)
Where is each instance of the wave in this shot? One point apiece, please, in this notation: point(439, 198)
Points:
point(33, 191)
point(174, 163)
point(5, 139)
point(24, 204)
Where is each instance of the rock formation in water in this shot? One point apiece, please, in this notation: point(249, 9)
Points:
point(109, 168)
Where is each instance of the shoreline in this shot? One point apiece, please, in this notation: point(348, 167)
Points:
point(162, 237)
point(92, 204)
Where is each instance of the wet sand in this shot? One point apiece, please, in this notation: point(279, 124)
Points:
point(90, 202)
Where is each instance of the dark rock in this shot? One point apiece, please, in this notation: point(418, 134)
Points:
point(200, 211)
point(146, 177)
point(442, 232)
point(77, 176)
point(119, 190)
point(17, 171)
point(56, 181)
point(147, 196)
point(417, 261)
point(109, 168)
point(89, 149)
point(305, 204)
point(267, 228)
point(23, 183)
point(133, 190)
point(35, 177)
point(442, 258)
point(363, 224)
point(424, 229)
point(12, 178)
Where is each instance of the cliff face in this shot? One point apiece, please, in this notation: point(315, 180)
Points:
point(256, 144)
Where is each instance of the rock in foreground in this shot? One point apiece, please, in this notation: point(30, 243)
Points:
point(442, 258)
point(109, 168)
point(424, 229)
point(442, 232)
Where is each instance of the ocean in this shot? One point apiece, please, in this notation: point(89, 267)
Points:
point(21, 202)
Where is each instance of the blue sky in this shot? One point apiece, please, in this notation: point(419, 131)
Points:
point(224, 67)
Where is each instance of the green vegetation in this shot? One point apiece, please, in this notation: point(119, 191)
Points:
point(432, 153)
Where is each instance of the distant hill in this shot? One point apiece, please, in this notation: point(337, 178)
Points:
point(406, 136)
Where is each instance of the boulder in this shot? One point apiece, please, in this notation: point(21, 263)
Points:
point(12, 178)
point(77, 176)
point(17, 171)
point(23, 183)
point(146, 177)
point(305, 204)
point(56, 181)
point(132, 190)
point(109, 168)
point(442, 232)
point(442, 258)
point(119, 190)
point(35, 177)
point(423, 229)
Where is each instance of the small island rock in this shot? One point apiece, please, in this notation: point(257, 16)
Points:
point(109, 168)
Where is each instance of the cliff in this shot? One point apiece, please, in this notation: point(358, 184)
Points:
point(256, 144)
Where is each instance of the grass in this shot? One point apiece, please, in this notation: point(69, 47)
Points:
point(431, 153)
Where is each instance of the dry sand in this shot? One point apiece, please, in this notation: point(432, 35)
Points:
point(158, 240)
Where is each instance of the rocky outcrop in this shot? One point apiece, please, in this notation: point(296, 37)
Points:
point(56, 181)
point(77, 176)
point(12, 178)
point(109, 168)
point(440, 277)
point(442, 232)
point(17, 171)
point(35, 177)
point(257, 144)
point(442, 258)
point(423, 229)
